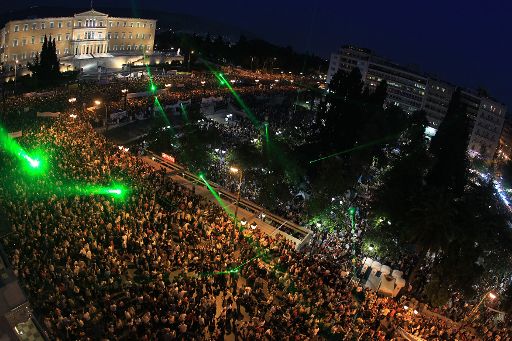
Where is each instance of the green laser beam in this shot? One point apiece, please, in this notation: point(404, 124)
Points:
point(222, 80)
point(184, 112)
point(33, 162)
point(217, 197)
point(366, 145)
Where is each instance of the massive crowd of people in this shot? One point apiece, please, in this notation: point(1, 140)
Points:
point(160, 262)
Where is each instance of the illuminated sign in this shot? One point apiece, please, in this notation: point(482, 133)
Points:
point(168, 158)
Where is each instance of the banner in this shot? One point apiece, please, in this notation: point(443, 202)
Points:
point(118, 115)
point(48, 114)
point(16, 134)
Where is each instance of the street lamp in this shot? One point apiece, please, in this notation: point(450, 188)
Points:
point(125, 93)
point(98, 103)
point(72, 100)
point(203, 82)
point(190, 57)
point(15, 73)
point(238, 171)
point(489, 295)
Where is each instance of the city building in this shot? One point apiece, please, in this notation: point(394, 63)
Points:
point(486, 132)
point(405, 88)
point(505, 147)
point(85, 35)
point(412, 90)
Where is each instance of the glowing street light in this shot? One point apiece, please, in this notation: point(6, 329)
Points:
point(203, 83)
point(97, 102)
point(257, 81)
point(492, 296)
point(125, 93)
point(72, 100)
point(236, 170)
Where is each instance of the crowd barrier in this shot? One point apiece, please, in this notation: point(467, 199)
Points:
point(295, 233)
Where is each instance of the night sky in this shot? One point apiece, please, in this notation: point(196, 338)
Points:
point(464, 42)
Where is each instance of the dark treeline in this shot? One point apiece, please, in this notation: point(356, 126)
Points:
point(247, 53)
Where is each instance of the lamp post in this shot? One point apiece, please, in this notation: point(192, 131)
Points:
point(125, 93)
point(98, 103)
point(489, 295)
point(203, 82)
point(238, 171)
point(15, 73)
point(190, 57)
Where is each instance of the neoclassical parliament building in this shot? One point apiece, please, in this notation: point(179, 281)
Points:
point(90, 34)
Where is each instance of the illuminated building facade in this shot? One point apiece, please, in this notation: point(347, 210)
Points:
point(89, 33)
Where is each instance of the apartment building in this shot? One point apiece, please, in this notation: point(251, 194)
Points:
point(412, 90)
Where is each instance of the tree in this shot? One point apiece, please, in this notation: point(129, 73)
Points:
point(45, 67)
point(379, 95)
point(506, 174)
point(449, 149)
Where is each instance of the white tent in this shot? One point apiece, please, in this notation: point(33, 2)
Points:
point(375, 267)
point(385, 270)
point(397, 273)
point(387, 285)
point(373, 282)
